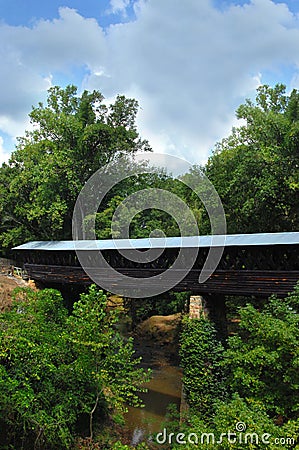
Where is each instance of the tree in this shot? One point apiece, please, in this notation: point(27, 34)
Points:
point(143, 223)
point(59, 370)
point(72, 137)
point(236, 425)
point(263, 358)
point(256, 169)
point(260, 364)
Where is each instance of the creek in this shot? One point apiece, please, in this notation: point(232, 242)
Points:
point(163, 389)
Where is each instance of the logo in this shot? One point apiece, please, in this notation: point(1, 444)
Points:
point(90, 252)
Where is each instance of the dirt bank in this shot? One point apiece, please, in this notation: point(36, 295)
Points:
point(7, 285)
point(156, 340)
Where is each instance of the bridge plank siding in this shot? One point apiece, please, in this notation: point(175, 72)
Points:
point(227, 282)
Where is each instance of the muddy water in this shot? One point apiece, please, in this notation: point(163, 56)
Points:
point(156, 342)
point(163, 389)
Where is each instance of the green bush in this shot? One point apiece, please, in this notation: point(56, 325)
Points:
point(260, 387)
point(263, 358)
point(201, 355)
point(237, 425)
point(60, 373)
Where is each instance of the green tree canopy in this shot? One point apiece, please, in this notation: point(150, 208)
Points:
point(72, 137)
point(263, 359)
point(256, 169)
point(59, 370)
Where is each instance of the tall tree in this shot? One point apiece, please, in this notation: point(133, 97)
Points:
point(72, 137)
point(256, 169)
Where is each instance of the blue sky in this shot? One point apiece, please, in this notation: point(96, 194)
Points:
point(189, 63)
point(20, 12)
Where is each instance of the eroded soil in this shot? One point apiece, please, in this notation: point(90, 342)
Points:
point(7, 284)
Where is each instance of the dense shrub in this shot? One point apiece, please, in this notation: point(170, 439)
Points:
point(60, 372)
point(201, 355)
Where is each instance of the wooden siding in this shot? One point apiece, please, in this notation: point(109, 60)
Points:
point(229, 282)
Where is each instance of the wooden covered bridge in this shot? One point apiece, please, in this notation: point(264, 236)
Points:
point(250, 264)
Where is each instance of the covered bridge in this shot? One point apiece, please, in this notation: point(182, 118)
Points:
point(245, 264)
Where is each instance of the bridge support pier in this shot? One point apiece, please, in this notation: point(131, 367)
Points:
point(198, 307)
point(212, 306)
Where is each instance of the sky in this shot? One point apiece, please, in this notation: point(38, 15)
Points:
point(189, 63)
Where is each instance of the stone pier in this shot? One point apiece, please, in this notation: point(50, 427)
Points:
point(198, 307)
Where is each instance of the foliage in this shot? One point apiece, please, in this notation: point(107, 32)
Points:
point(256, 169)
point(201, 355)
point(102, 351)
point(72, 137)
point(174, 214)
point(263, 359)
point(142, 224)
point(59, 371)
point(238, 425)
point(260, 386)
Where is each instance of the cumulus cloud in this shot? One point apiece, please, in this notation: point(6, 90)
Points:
point(4, 156)
point(119, 6)
point(29, 57)
point(192, 64)
point(188, 63)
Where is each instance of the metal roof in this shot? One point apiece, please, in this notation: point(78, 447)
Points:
point(230, 240)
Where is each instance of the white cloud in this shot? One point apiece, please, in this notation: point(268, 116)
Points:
point(189, 64)
point(119, 6)
point(29, 57)
point(4, 155)
point(193, 64)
